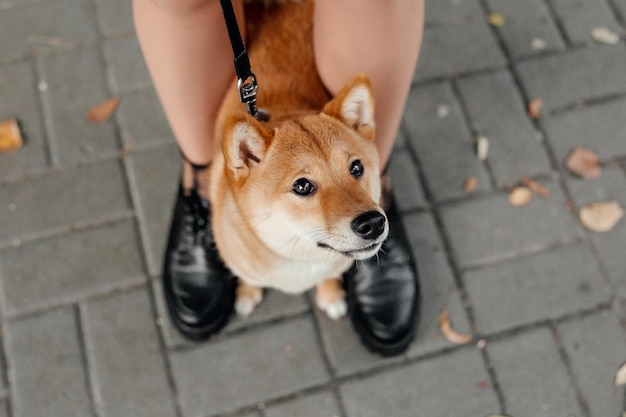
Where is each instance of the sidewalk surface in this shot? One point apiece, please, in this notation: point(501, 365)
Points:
point(83, 226)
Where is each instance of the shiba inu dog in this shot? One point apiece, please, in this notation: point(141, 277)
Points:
point(295, 200)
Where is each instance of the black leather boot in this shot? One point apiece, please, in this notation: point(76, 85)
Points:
point(199, 290)
point(383, 293)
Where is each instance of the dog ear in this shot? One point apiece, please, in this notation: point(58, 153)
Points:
point(354, 106)
point(244, 144)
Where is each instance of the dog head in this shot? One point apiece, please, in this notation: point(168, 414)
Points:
point(309, 186)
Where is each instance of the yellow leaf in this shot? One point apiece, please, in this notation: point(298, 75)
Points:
point(10, 136)
point(536, 188)
point(449, 333)
point(100, 113)
point(520, 196)
point(470, 184)
point(605, 36)
point(496, 19)
point(534, 108)
point(601, 217)
point(482, 148)
point(583, 162)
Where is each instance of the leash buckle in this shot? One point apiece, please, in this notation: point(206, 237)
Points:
point(247, 93)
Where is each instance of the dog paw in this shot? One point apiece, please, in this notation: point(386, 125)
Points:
point(334, 309)
point(330, 298)
point(245, 306)
point(248, 297)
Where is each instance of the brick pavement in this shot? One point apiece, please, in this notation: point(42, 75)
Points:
point(84, 330)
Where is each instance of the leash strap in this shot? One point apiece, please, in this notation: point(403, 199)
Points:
point(246, 80)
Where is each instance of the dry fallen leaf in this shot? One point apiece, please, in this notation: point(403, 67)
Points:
point(127, 148)
point(10, 136)
point(601, 217)
point(520, 196)
point(583, 162)
point(536, 188)
point(100, 113)
point(538, 44)
point(605, 36)
point(620, 375)
point(496, 19)
point(470, 184)
point(482, 148)
point(534, 108)
point(449, 333)
point(443, 111)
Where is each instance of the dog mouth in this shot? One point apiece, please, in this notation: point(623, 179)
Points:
point(361, 253)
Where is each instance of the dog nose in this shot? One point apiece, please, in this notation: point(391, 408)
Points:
point(369, 225)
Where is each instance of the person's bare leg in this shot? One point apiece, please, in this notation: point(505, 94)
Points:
point(382, 39)
point(378, 37)
point(186, 48)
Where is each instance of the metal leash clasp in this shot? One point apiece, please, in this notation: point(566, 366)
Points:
point(247, 93)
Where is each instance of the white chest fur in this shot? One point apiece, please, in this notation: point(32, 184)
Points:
point(295, 277)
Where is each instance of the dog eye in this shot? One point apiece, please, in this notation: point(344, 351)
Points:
point(356, 168)
point(302, 186)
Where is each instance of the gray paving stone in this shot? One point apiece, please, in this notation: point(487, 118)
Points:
point(611, 185)
point(57, 201)
point(443, 144)
point(599, 128)
point(18, 81)
point(451, 49)
point(142, 120)
point(68, 267)
point(407, 189)
point(125, 357)
point(452, 11)
point(129, 70)
point(438, 290)
point(488, 229)
point(580, 17)
point(115, 17)
point(275, 305)
point(532, 376)
point(547, 285)
point(3, 409)
point(19, 3)
point(587, 73)
point(496, 112)
point(400, 142)
point(344, 349)
point(321, 404)
point(526, 21)
point(595, 347)
point(621, 7)
point(449, 385)
point(76, 82)
point(40, 388)
point(621, 313)
point(43, 26)
point(243, 370)
point(155, 173)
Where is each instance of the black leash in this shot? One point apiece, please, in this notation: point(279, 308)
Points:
point(246, 80)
